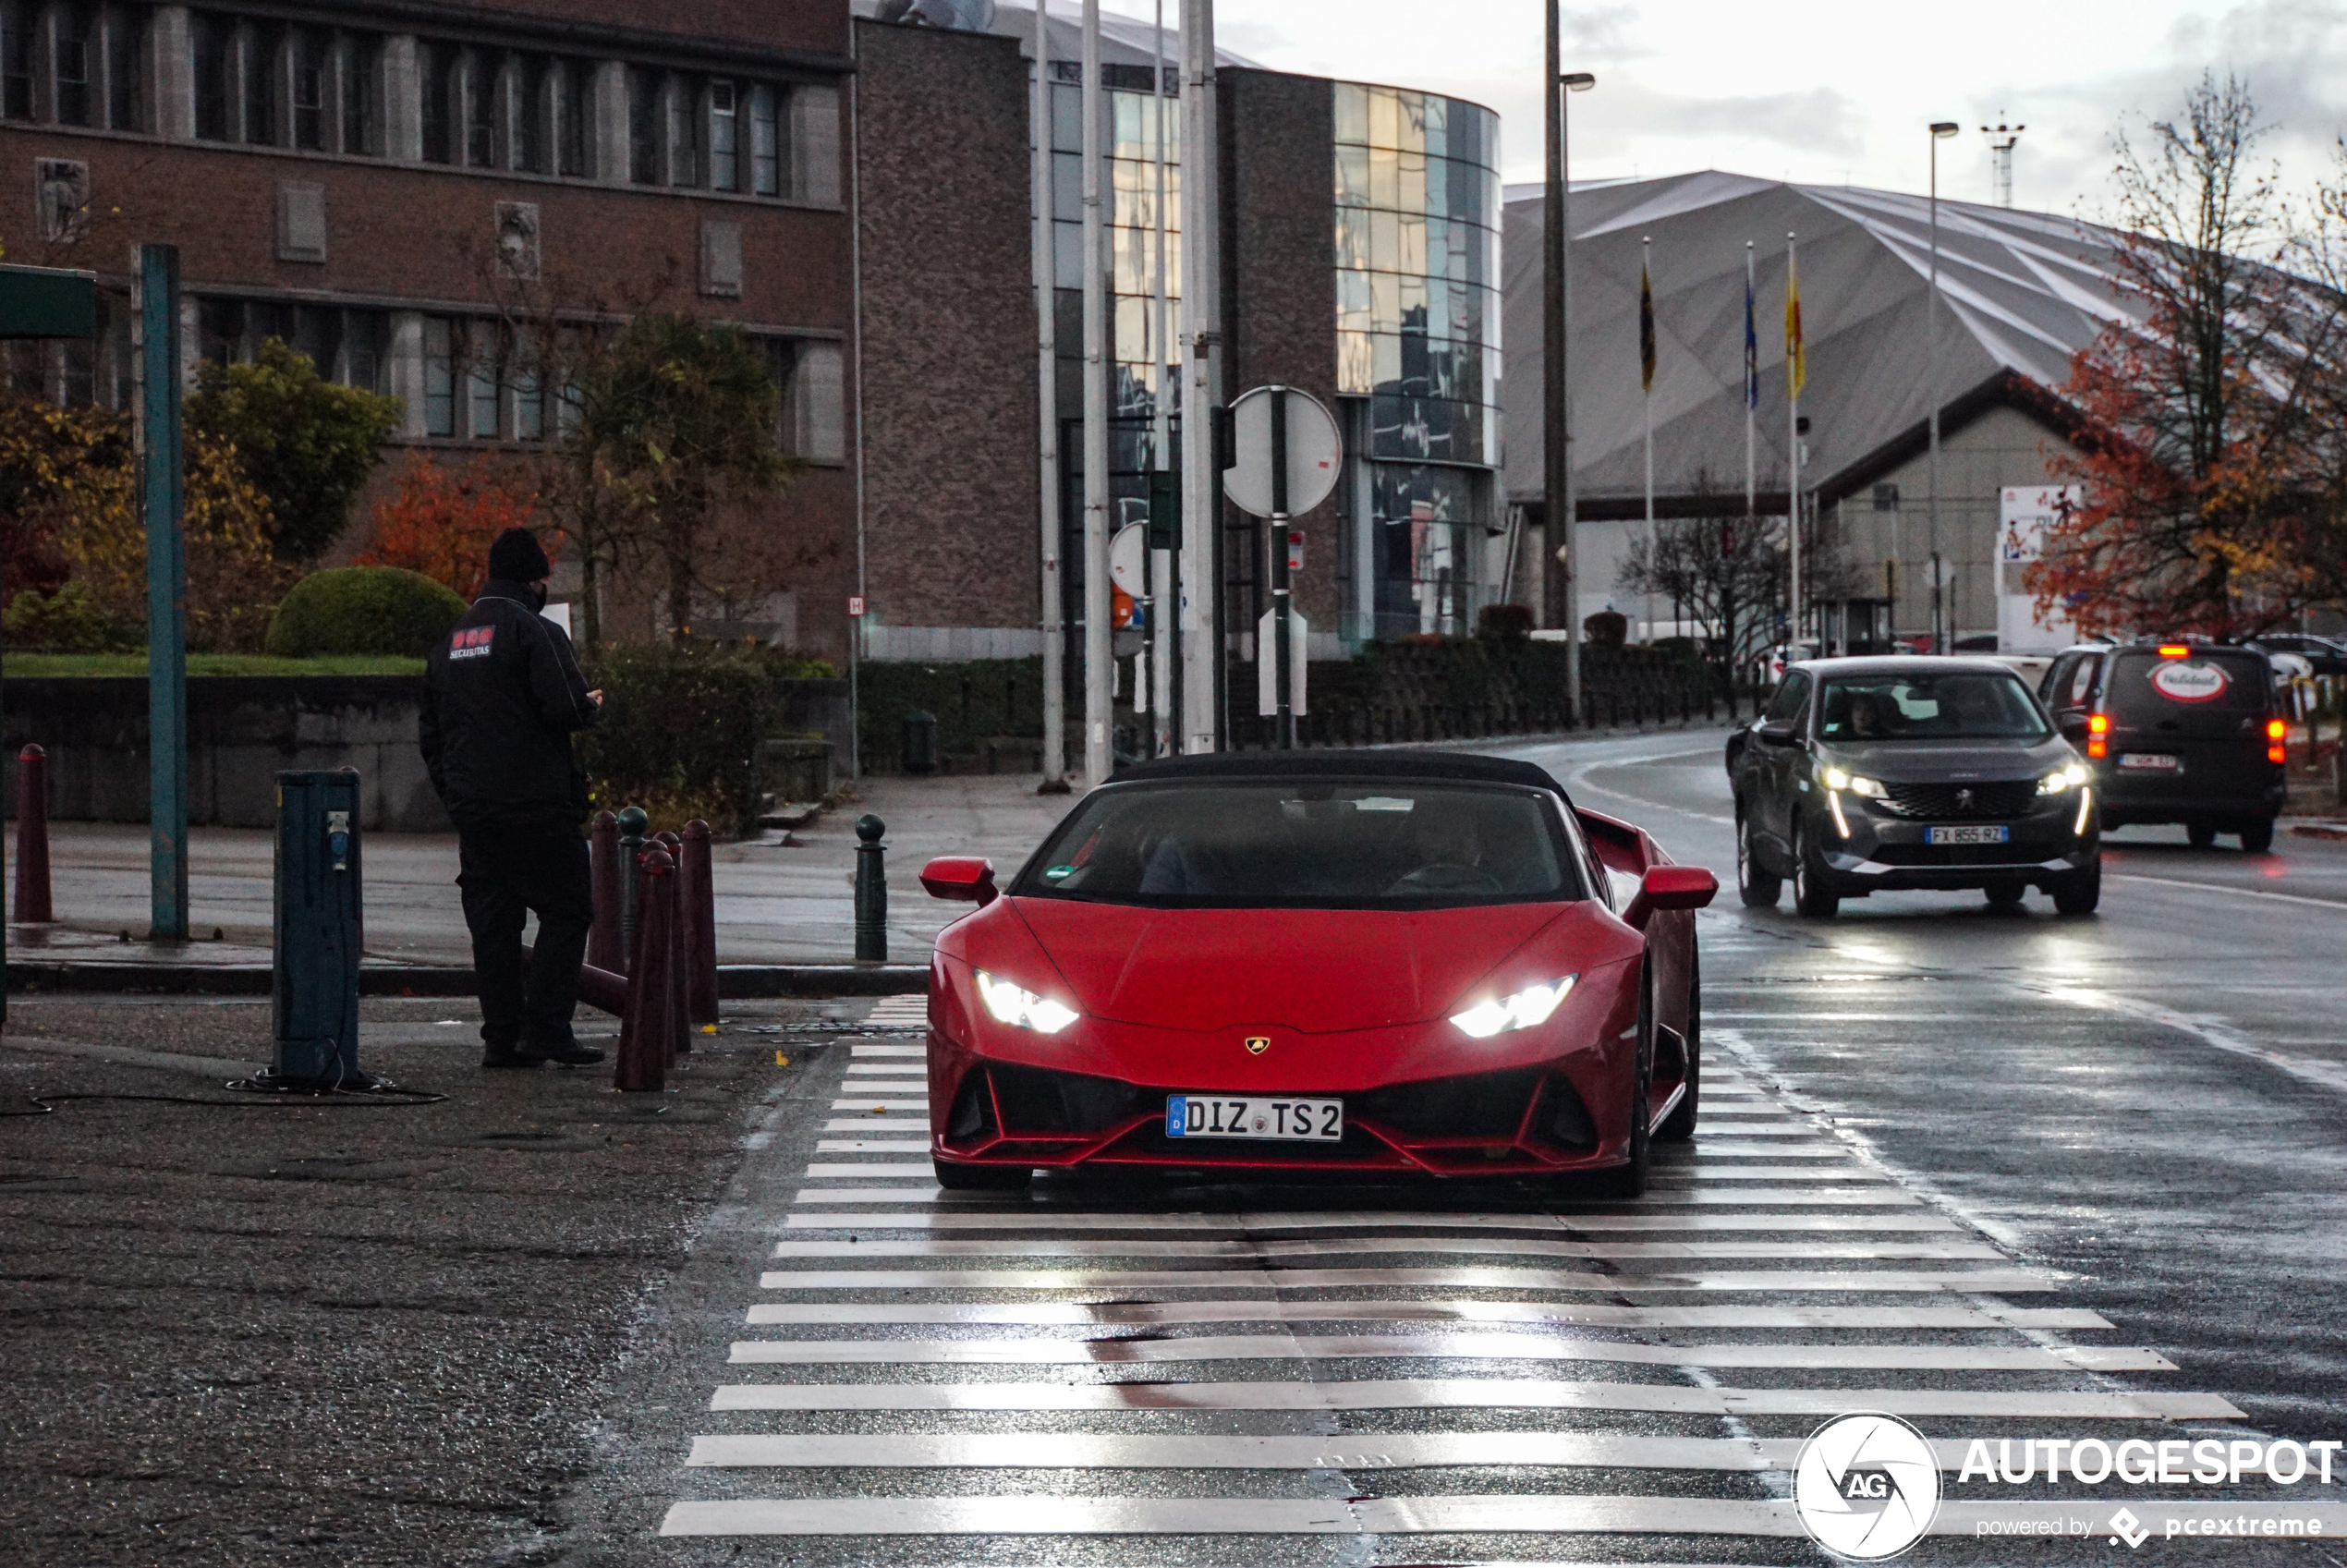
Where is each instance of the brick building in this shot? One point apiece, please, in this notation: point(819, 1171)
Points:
point(417, 193)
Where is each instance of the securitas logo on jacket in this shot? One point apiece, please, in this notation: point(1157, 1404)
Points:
point(472, 642)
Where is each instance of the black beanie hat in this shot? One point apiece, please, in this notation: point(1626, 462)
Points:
point(518, 557)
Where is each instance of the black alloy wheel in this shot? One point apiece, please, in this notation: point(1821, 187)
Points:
point(1814, 894)
point(1756, 885)
point(955, 1176)
point(1679, 1126)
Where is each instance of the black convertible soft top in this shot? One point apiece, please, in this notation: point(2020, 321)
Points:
point(1428, 765)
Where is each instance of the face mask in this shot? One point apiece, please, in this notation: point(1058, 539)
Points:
point(538, 595)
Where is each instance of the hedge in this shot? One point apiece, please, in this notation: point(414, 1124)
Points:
point(384, 610)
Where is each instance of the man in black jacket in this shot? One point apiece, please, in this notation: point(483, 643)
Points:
point(502, 694)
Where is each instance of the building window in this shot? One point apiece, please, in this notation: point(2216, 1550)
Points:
point(724, 137)
point(572, 80)
point(643, 126)
point(440, 376)
point(259, 49)
point(70, 32)
point(765, 142)
point(347, 345)
point(15, 59)
point(685, 137)
point(482, 383)
point(358, 62)
point(528, 114)
point(436, 69)
point(307, 51)
point(811, 375)
point(215, 40)
point(479, 74)
point(120, 36)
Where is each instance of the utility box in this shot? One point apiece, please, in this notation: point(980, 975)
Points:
point(318, 929)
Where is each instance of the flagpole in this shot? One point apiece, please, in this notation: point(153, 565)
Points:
point(1646, 369)
point(1047, 396)
point(1794, 378)
point(1163, 611)
point(1751, 390)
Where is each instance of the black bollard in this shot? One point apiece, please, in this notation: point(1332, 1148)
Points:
point(632, 823)
point(872, 892)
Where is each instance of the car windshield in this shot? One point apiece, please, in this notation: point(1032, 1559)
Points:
point(1307, 843)
point(1949, 705)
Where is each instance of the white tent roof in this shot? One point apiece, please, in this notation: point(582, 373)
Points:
point(2020, 292)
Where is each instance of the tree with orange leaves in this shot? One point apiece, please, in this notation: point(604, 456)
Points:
point(2190, 465)
point(442, 524)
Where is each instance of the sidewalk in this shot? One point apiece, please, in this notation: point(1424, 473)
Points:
point(775, 904)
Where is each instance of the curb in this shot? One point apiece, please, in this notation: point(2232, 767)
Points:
point(739, 982)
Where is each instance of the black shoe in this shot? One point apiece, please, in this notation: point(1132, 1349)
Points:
point(511, 1057)
point(569, 1054)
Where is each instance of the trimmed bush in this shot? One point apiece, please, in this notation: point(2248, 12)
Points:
point(362, 609)
point(680, 727)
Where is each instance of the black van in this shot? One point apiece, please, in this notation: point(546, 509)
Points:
point(2185, 733)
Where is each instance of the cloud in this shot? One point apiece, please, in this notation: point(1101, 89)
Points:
point(1816, 120)
point(1602, 35)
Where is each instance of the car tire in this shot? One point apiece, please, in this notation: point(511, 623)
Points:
point(2006, 895)
point(1758, 887)
point(955, 1176)
point(1629, 1178)
point(1679, 1126)
point(1814, 894)
point(2079, 893)
point(2202, 835)
point(2258, 837)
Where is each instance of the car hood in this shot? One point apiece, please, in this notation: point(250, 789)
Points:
point(1318, 971)
point(1956, 761)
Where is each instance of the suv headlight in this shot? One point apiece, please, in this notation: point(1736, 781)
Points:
point(1016, 1004)
point(2062, 778)
point(1529, 1006)
point(1837, 779)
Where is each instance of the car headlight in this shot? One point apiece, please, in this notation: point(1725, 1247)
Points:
point(1837, 779)
point(1016, 1004)
point(1529, 1006)
point(2062, 778)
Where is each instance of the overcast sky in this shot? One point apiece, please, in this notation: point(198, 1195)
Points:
point(1830, 91)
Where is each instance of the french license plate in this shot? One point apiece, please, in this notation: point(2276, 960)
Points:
point(1237, 1116)
point(2149, 763)
point(1998, 835)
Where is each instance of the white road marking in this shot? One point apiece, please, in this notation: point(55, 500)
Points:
point(875, 1168)
point(2335, 906)
point(871, 1145)
point(1499, 1246)
point(1009, 1220)
point(862, 1051)
point(1976, 1315)
point(1477, 1394)
point(1656, 1197)
point(917, 1106)
point(1999, 1280)
point(1444, 1347)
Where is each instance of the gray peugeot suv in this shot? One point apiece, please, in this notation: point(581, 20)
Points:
point(1868, 774)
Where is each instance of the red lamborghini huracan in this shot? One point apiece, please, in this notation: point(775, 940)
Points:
point(1375, 962)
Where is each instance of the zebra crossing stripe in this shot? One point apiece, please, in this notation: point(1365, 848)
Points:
point(1995, 1280)
point(874, 1168)
point(1480, 1393)
point(871, 1145)
point(1444, 1347)
point(1508, 1246)
point(1245, 1516)
point(871, 1050)
point(1767, 1174)
point(1892, 1198)
point(1948, 1316)
point(911, 1107)
point(1046, 1219)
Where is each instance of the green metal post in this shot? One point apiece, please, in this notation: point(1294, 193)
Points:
point(161, 498)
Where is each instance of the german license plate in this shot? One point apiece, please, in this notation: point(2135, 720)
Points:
point(1998, 835)
point(2150, 763)
point(1254, 1116)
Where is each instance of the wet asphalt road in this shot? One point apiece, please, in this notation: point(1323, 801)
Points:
point(2126, 1130)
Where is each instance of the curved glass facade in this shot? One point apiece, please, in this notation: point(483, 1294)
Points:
point(1418, 257)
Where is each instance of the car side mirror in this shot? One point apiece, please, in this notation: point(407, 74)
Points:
point(965, 879)
point(1670, 887)
point(2072, 725)
point(1777, 732)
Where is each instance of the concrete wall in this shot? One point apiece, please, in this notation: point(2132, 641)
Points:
point(243, 731)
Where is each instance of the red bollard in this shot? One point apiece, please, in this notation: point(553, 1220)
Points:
point(697, 907)
point(647, 1031)
point(32, 835)
point(603, 856)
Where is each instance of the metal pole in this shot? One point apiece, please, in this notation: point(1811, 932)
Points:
point(1100, 710)
point(871, 891)
point(163, 500)
point(1562, 565)
point(1164, 599)
point(1645, 264)
point(1283, 606)
point(1939, 616)
point(1048, 422)
point(1792, 461)
point(1202, 389)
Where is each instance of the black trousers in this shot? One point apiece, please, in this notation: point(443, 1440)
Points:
point(505, 872)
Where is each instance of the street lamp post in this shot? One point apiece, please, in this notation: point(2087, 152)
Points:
point(1556, 273)
point(1941, 131)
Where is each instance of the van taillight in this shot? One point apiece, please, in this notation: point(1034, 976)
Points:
point(2098, 734)
point(2276, 730)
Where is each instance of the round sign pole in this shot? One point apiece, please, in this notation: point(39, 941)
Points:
point(1282, 586)
point(1287, 456)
